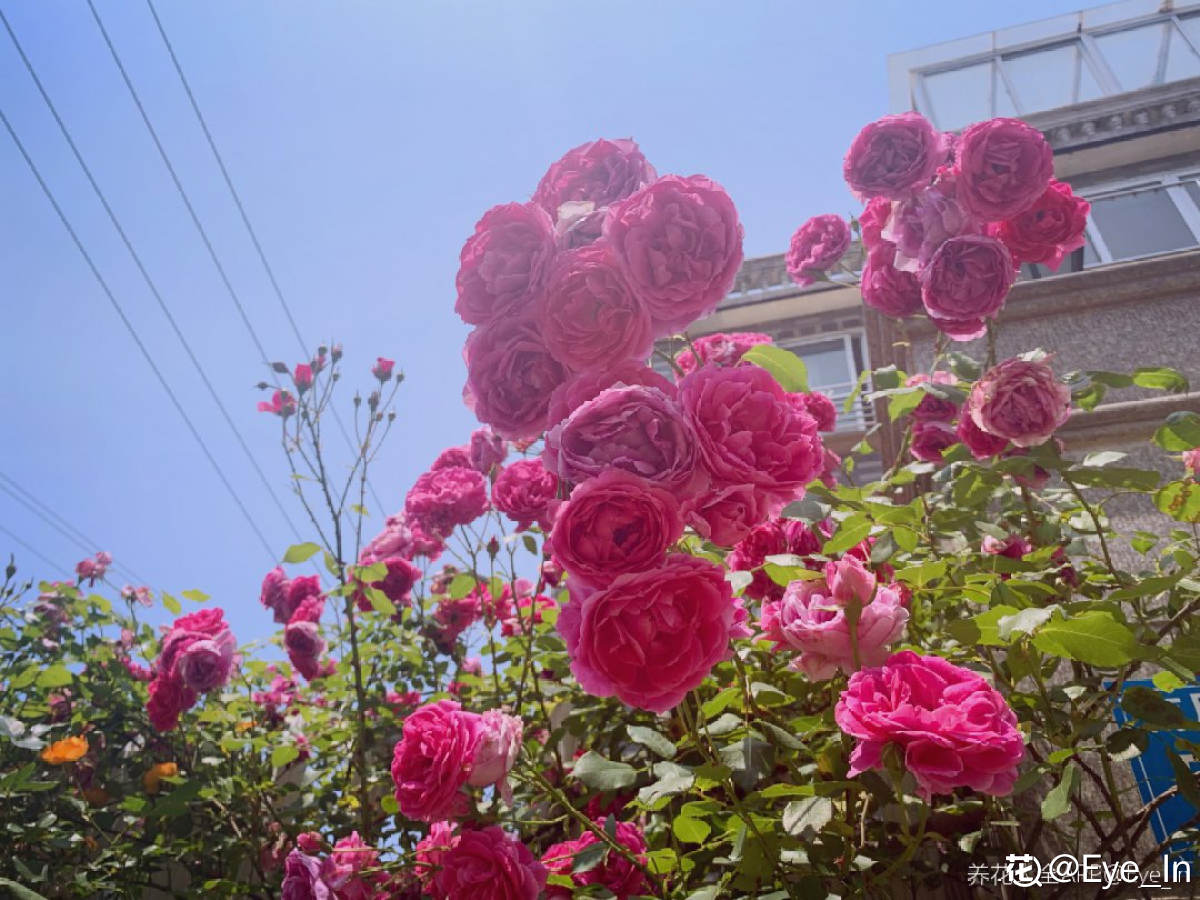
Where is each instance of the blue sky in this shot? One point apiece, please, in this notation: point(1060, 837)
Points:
point(365, 138)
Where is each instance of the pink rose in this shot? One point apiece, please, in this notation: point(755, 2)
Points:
point(396, 539)
point(523, 492)
point(499, 743)
point(872, 220)
point(487, 450)
point(886, 288)
point(304, 598)
point(453, 616)
point(510, 376)
point(431, 849)
point(168, 699)
point(920, 225)
point(599, 172)
point(1049, 230)
point(892, 157)
point(206, 665)
point(638, 429)
point(453, 458)
point(383, 369)
point(343, 869)
point(617, 874)
point(749, 433)
point(725, 515)
point(812, 619)
point(1191, 461)
point(1020, 401)
point(770, 538)
point(396, 585)
point(929, 439)
point(588, 315)
point(981, 444)
point(579, 224)
point(650, 637)
point(933, 408)
point(94, 568)
point(1002, 167)
point(304, 645)
point(966, 282)
point(1013, 547)
point(586, 386)
point(488, 864)
point(614, 523)
point(954, 729)
point(443, 499)
point(502, 264)
point(433, 760)
point(720, 349)
point(302, 878)
point(819, 406)
point(816, 247)
point(281, 404)
point(679, 244)
point(303, 377)
point(274, 595)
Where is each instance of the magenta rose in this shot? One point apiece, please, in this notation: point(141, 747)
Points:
point(918, 226)
point(588, 315)
point(725, 515)
point(396, 539)
point(816, 247)
point(302, 878)
point(304, 645)
point(892, 157)
point(488, 864)
point(929, 439)
point(487, 449)
point(812, 618)
point(207, 664)
point(953, 728)
point(933, 408)
point(872, 220)
point(819, 406)
point(769, 538)
point(638, 429)
point(523, 491)
point(453, 458)
point(612, 524)
point(965, 283)
point(1049, 230)
point(585, 386)
point(434, 759)
point(1002, 167)
point(650, 637)
point(721, 349)
point(1020, 401)
point(169, 697)
point(598, 172)
point(679, 244)
point(510, 376)
point(616, 873)
point(981, 444)
point(886, 288)
point(1012, 547)
point(396, 584)
point(749, 432)
point(502, 264)
point(443, 499)
point(274, 595)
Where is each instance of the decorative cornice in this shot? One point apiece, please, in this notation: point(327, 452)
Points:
point(1120, 117)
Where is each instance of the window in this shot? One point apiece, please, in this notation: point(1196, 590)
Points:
point(834, 362)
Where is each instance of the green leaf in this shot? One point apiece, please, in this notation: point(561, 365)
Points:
point(805, 817)
point(1181, 431)
point(786, 367)
point(1152, 709)
point(389, 804)
point(54, 676)
point(1093, 637)
point(851, 532)
point(602, 774)
point(380, 602)
point(652, 740)
point(1026, 621)
point(171, 604)
point(901, 404)
point(284, 754)
point(1114, 477)
point(712, 892)
point(20, 891)
point(195, 596)
point(1189, 785)
point(689, 830)
point(1058, 799)
point(590, 857)
point(1180, 500)
point(672, 779)
point(461, 585)
point(1160, 378)
point(298, 553)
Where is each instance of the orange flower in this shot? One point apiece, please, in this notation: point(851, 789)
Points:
point(65, 751)
point(96, 796)
point(244, 726)
point(152, 780)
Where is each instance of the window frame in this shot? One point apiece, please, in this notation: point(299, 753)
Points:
point(861, 416)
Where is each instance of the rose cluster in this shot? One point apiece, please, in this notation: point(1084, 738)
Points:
point(297, 604)
point(349, 872)
point(196, 657)
point(482, 862)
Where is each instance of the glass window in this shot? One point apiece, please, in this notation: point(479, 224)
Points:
point(1191, 27)
point(1193, 190)
point(1132, 55)
point(960, 96)
point(1056, 76)
point(827, 362)
point(1141, 223)
point(1181, 61)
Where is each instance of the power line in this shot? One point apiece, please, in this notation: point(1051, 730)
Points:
point(61, 525)
point(149, 283)
point(129, 326)
point(237, 199)
point(51, 563)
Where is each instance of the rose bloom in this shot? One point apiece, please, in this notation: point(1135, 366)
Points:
point(523, 491)
point(953, 728)
point(396, 585)
point(721, 349)
point(499, 743)
point(599, 172)
point(886, 288)
point(811, 618)
point(650, 637)
point(617, 874)
point(892, 157)
point(585, 386)
point(966, 282)
point(488, 864)
point(929, 439)
point(1013, 547)
point(816, 247)
point(1049, 230)
point(281, 404)
point(579, 224)
point(770, 538)
point(725, 515)
point(206, 664)
point(510, 376)
point(749, 433)
point(443, 499)
point(819, 406)
point(614, 523)
point(67, 750)
point(587, 313)
point(933, 408)
point(433, 760)
point(304, 645)
point(395, 539)
point(274, 594)
point(453, 458)
point(637, 429)
point(679, 244)
point(920, 225)
point(302, 878)
point(169, 697)
point(1021, 401)
point(1191, 461)
point(872, 220)
point(1002, 167)
point(981, 444)
point(502, 264)
point(487, 449)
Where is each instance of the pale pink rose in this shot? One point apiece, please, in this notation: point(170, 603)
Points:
point(488, 864)
point(1002, 167)
point(892, 157)
point(965, 283)
point(813, 617)
point(499, 743)
point(510, 377)
point(679, 243)
point(952, 727)
point(598, 172)
point(487, 449)
point(434, 759)
point(1049, 230)
point(503, 263)
point(1191, 461)
point(650, 637)
point(1021, 401)
point(816, 247)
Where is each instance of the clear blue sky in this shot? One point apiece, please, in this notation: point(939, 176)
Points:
point(366, 138)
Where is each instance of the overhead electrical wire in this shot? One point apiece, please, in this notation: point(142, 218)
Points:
point(34, 550)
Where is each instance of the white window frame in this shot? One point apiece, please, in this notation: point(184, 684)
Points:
point(860, 417)
point(1172, 183)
